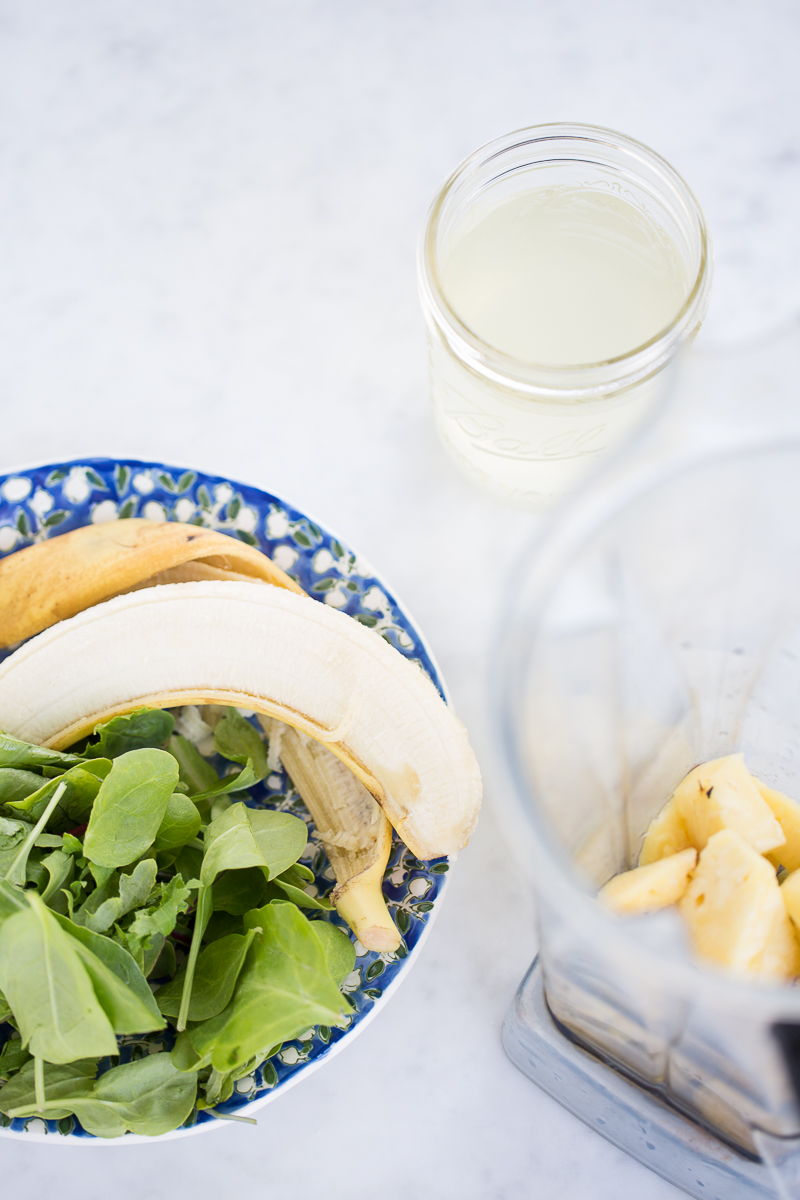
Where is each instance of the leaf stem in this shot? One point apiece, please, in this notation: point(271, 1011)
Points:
point(25, 848)
point(230, 1117)
point(38, 1083)
point(200, 923)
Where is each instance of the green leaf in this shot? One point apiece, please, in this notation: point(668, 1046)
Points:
point(16, 784)
point(340, 953)
point(301, 538)
point(363, 619)
point(180, 825)
point(143, 728)
point(237, 892)
point(218, 968)
point(128, 1012)
point(375, 969)
point(121, 476)
point(134, 891)
point(117, 959)
point(14, 753)
point(246, 537)
point(247, 837)
point(195, 771)
point(220, 925)
point(61, 868)
point(82, 784)
point(298, 896)
point(237, 740)
point(55, 477)
point(22, 524)
point(49, 990)
point(324, 585)
point(166, 481)
point(234, 507)
point(127, 509)
point(96, 479)
point(284, 988)
point(60, 1082)
point(403, 920)
point(130, 807)
point(336, 547)
point(162, 916)
point(148, 1096)
point(440, 868)
point(186, 480)
point(13, 1056)
point(203, 498)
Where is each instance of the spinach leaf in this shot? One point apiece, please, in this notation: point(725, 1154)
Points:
point(292, 884)
point(14, 753)
point(81, 786)
point(284, 988)
point(249, 837)
point(126, 1011)
point(180, 825)
point(61, 869)
point(237, 892)
point(12, 835)
point(118, 960)
point(144, 728)
point(237, 740)
point(148, 1096)
point(12, 901)
point(339, 951)
point(13, 1056)
point(217, 970)
point(61, 1084)
point(5, 1009)
point(130, 807)
point(19, 870)
point(220, 925)
point(240, 837)
point(134, 891)
point(16, 784)
point(49, 990)
point(195, 771)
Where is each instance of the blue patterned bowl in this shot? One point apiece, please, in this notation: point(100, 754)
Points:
point(38, 503)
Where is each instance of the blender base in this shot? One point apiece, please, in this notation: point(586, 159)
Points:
point(628, 1115)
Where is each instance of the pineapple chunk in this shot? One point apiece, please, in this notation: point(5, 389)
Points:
point(646, 889)
point(734, 911)
point(787, 813)
point(666, 835)
point(790, 890)
point(723, 795)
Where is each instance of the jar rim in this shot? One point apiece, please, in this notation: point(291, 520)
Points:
point(577, 381)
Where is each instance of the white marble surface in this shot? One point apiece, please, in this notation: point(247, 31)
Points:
point(208, 219)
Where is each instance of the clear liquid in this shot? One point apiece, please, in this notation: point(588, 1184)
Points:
point(564, 276)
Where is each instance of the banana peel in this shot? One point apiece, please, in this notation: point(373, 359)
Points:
point(351, 826)
point(60, 577)
point(267, 649)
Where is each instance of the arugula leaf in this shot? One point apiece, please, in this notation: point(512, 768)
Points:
point(141, 729)
point(218, 968)
point(195, 771)
point(284, 988)
point(130, 807)
point(16, 784)
point(340, 953)
point(14, 753)
point(49, 990)
point(163, 915)
point(148, 1096)
point(61, 1082)
point(180, 825)
point(134, 891)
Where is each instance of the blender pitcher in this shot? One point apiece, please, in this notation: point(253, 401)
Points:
point(657, 626)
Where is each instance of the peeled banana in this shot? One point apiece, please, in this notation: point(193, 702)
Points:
point(270, 650)
point(64, 575)
point(353, 829)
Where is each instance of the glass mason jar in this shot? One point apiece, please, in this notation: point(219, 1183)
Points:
point(527, 431)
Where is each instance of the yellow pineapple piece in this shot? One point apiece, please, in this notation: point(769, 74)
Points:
point(722, 794)
point(646, 889)
point(787, 813)
point(735, 913)
point(666, 835)
point(790, 890)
